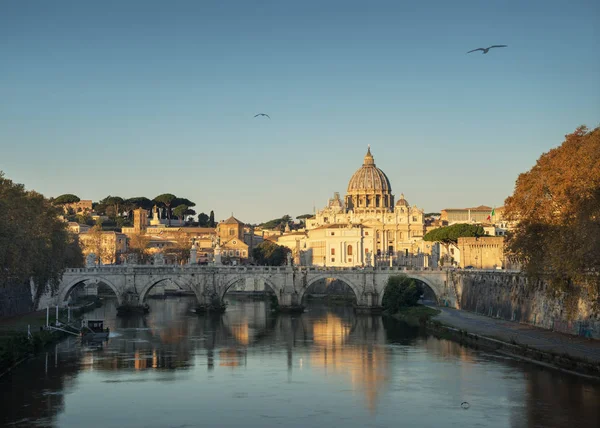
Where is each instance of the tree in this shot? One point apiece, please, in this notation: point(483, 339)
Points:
point(400, 291)
point(112, 206)
point(268, 253)
point(277, 223)
point(304, 216)
point(93, 243)
point(134, 203)
point(556, 210)
point(138, 245)
point(67, 198)
point(181, 249)
point(183, 201)
point(182, 210)
point(203, 220)
point(34, 242)
point(212, 219)
point(166, 200)
point(449, 235)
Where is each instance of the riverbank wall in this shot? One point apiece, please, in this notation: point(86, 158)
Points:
point(511, 296)
point(15, 300)
point(562, 361)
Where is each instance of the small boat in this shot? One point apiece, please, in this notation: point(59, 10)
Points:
point(94, 330)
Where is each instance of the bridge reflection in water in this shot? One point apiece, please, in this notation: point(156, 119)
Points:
point(353, 368)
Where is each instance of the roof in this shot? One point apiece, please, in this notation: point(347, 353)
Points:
point(368, 178)
point(479, 208)
point(232, 220)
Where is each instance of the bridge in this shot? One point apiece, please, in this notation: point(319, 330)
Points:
point(132, 283)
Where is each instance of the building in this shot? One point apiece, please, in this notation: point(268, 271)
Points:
point(365, 226)
point(106, 246)
point(77, 228)
point(235, 239)
point(486, 252)
point(81, 207)
point(481, 214)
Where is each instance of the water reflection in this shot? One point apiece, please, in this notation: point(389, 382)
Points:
point(327, 365)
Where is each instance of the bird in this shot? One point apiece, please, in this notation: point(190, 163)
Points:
point(262, 114)
point(486, 50)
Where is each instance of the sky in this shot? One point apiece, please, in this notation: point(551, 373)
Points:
point(139, 98)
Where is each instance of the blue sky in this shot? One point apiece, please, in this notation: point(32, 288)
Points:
point(138, 98)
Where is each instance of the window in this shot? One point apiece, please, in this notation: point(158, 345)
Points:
point(349, 250)
point(333, 251)
point(244, 253)
point(231, 232)
point(237, 253)
point(333, 260)
point(366, 233)
point(332, 233)
point(414, 218)
point(230, 253)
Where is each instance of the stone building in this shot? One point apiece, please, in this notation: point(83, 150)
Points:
point(365, 226)
point(81, 207)
point(105, 245)
point(486, 252)
point(479, 215)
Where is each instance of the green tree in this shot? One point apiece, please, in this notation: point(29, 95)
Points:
point(555, 209)
point(203, 220)
point(166, 200)
point(182, 211)
point(212, 219)
point(183, 201)
point(112, 206)
point(304, 216)
point(277, 223)
point(448, 235)
point(268, 253)
point(400, 291)
point(67, 198)
point(34, 242)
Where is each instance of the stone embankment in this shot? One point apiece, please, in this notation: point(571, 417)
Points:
point(511, 296)
point(554, 349)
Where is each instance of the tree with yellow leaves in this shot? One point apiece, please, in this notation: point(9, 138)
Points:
point(556, 209)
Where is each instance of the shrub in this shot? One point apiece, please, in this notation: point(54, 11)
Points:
point(400, 291)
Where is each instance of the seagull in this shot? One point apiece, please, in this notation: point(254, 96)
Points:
point(485, 50)
point(262, 114)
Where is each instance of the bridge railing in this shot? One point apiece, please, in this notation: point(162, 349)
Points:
point(121, 269)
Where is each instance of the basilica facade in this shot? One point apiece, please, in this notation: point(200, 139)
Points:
point(363, 227)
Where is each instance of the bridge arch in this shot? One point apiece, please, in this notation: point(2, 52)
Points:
point(230, 282)
point(150, 284)
point(428, 282)
point(312, 279)
point(65, 290)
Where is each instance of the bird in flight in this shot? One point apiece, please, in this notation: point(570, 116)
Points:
point(486, 50)
point(262, 114)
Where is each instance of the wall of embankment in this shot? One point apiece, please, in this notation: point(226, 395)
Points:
point(511, 296)
point(14, 300)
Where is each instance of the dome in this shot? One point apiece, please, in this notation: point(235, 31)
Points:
point(369, 178)
point(402, 202)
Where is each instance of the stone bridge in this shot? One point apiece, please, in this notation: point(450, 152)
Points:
point(132, 284)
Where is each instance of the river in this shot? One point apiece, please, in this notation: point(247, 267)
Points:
point(326, 367)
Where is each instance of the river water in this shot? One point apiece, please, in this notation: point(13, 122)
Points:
point(326, 367)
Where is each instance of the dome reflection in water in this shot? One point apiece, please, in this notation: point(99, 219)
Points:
point(250, 367)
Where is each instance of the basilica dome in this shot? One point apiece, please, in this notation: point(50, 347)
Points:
point(369, 178)
point(369, 188)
